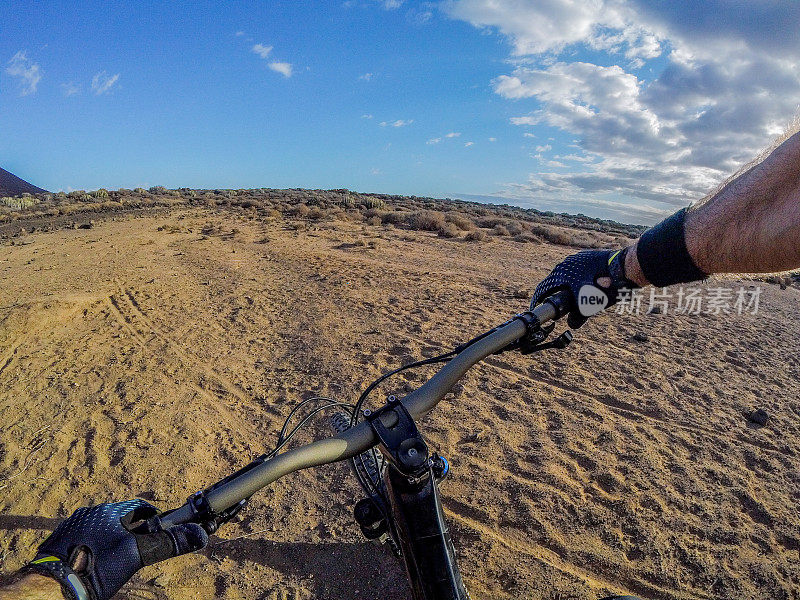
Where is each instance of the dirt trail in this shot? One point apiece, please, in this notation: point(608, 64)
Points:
point(149, 356)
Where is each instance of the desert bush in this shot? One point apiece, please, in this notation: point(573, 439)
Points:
point(527, 238)
point(515, 228)
point(478, 235)
point(301, 210)
point(316, 213)
point(101, 193)
point(460, 221)
point(427, 220)
point(449, 230)
point(394, 218)
point(374, 220)
point(552, 235)
point(139, 191)
point(489, 222)
point(271, 213)
point(158, 189)
point(500, 230)
point(560, 237)
point(250, 203)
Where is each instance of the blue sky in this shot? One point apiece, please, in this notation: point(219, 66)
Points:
point(613, 108)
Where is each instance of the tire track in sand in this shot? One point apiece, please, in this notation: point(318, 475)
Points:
point(205, 382)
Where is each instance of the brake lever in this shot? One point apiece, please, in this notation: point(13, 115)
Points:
point(206, 517)
point(561, 342)
point(533, 340)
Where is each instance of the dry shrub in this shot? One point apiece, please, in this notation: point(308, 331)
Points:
point(250, 203)
point(427, 220)
point(515, 228)
point(477, 236)
point(316, 213)
point(374, 220)
point(500, 230)
point(449, 230)
point(394, 218)
point(489, 222)
point(460, 221)
point(271, 213)
point(301, 210)
point(527, 238)
point(372, 212)
point(552, 235)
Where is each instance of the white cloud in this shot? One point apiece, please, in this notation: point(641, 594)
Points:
point(284, 68)
point(240, 34)
point(366, 116)
point(492, 139)
point(102, 82)
point(70, 89)
point(434, 141)
point(397, 123)
point(453, 134)
point(390, 4)
point(468, 144)
point(262, 50)
point(420, 16)
point(536, 27)
point(545, 148)
point(575, 157)
point(730, 81)
point(528, 134)
point(366, 77)
point(28, 72)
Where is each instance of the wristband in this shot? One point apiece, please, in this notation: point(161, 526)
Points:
point(616, 267)
point(51, 566)
point(663, 256)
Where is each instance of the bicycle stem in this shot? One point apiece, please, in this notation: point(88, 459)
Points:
point(361, 437)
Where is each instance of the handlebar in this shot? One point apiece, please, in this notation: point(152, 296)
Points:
point(354, 441)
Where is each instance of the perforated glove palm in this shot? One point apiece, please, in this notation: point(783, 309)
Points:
point(583, 269)
point(116, 540)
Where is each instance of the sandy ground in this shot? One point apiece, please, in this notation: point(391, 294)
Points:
point(150, 356)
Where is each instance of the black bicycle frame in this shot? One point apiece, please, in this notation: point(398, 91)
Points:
point(419, 525)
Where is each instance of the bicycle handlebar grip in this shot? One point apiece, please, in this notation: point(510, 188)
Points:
point(562, 302)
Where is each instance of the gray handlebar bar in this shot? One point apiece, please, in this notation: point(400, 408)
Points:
point(361, 437)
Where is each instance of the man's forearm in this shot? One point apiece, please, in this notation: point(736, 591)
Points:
point(32, 587)
point(751, 225)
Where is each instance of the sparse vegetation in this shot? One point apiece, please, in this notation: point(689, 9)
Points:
point(479, 235)
point(501, 230)
point(426, 220)
point(449, 230)
point(446, 218)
